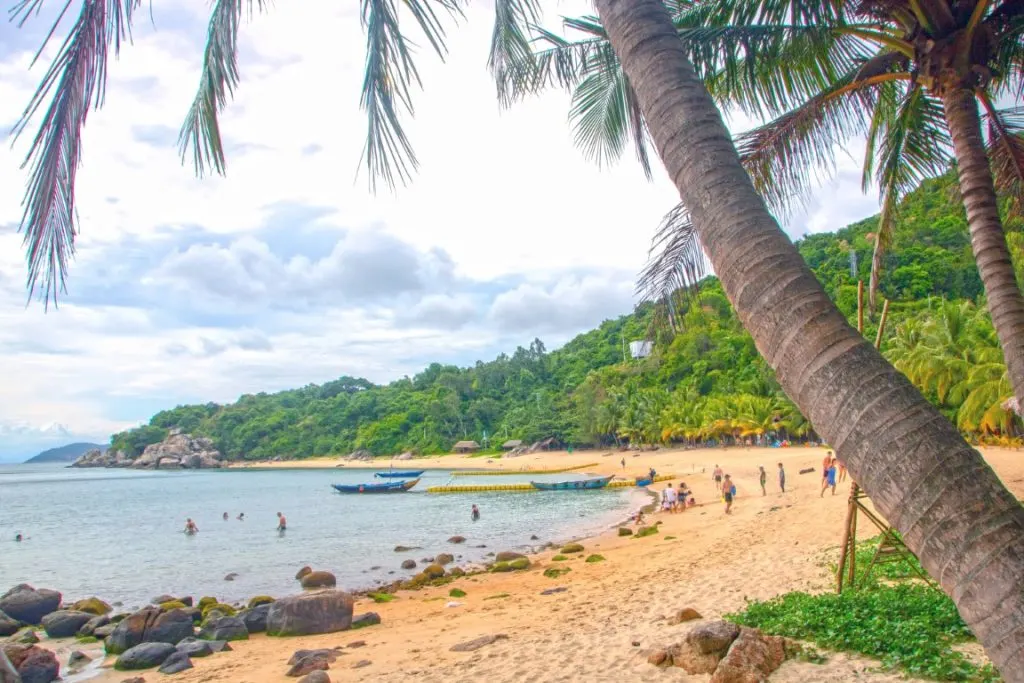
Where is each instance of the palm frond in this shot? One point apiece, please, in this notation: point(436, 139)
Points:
point(200, 132)
point(676, 260)
point(1006, 152)
point(511, 43)
point(389, 76)
point(77, 81)
point(909, 141)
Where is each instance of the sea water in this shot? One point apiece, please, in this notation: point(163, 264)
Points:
point(117, 534)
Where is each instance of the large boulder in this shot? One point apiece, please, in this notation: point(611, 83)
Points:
point(8, 626)
point(319, 580)
point(131, 630)
point(32, 663)
point(25, 603)
point(255, 618)
point(170, 627)
point(224, 628)
point(144, 656)
point(93, 606)
point(752, 658)
point(89, 628)
point(176, 663)
point(704, 647)
point(195, 648)
point(65, 623)
point(507, 556)
point(8, 674)
point(324, 611)
point(179, 450)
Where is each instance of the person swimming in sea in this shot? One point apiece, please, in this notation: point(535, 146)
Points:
point(241, 516)
point(475, 514)
point(282, 523)
point(225, 516)
point(190, 527)
point(18, 538)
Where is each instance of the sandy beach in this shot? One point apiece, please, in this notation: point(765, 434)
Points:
point(611, 612)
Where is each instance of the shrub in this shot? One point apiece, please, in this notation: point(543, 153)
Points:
point(572, 548)
point(457, 593)
point(594, 558)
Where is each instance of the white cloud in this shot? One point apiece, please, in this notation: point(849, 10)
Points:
point(178, 292)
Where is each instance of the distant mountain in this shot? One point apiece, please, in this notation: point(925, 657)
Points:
point(68, 453)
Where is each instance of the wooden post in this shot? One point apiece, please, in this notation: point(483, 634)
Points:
point(881, 324)
point(860, 306)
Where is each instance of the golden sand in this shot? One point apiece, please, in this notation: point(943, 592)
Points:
point(612, 611)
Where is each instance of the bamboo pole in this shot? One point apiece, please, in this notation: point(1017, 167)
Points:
point(860, 306)
point(881, 324)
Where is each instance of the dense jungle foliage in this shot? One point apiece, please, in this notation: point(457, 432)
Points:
point(704, 380)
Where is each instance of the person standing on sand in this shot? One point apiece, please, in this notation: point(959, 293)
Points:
point(623, 463)
point(282, 523)
point(825, 464)
point(717, 475)
point(727, 493)
point(668, 499)
point(764, 480)
point(830, 479)
point(782, 478)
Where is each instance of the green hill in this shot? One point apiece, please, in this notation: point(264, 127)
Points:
point(703, 381)
point(68, 453)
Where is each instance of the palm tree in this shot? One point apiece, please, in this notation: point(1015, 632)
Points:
point(908, 75)
point(954, 513)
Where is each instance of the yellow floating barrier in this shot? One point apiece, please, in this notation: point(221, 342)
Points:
point(632, 482)
point(481, 488)
point(486, 473)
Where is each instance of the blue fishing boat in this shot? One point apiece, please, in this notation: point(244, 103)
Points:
point(399, 474)
point(576, 484)
point(384, 487)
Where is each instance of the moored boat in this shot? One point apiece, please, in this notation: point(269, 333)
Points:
point(644, 481)
point(383, 487)
point(399, 474)
point(574, 485)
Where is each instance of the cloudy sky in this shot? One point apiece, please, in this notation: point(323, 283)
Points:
point(289, 271)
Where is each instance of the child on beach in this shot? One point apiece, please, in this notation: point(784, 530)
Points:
point(764, 480)
point(830, 479)
point(728, 491)
point(782, 478)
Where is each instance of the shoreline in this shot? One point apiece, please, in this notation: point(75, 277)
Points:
point(699, 558)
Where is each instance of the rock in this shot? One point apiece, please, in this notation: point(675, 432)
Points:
point(534, 537)
point(368, 619)
point(179, 450)
point(324, 611)
point(144, 656)
point(26, 604)
point(406, 548)
point(625, 531)
point(319, 580)
point(93, 606)
point(299, 655)
point(134, 679)
point(224, 628)
point(752, 657)
point(572, 548)
point(89, 628)
point(231, 577)
point(260, 600)
point(195, 648)
point(704, 647)
point(302, 572)
point(519, 563)
point(357, 644)
point(26, 637)
point(98, 458)
point(39, 666)
point(8, 627)
point(176, 663)
point(170, 627)
point(255, 619)
point(131, 630)
point(65, 623)
point(319, 660)
point(362, 663)
point(507, 556)
point(444, 559)
point(409, 564)
point(658, 658)
point(552, 591)
point(434, 571)
point(477, 643)
point(161, 599)
point(102, 632)
point(220, 646)
point(457, 539)
point(8, 674)
point(684, 615)
point(78, 658)
point(316, 677)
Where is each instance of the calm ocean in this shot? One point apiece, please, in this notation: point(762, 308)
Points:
point(117, 533)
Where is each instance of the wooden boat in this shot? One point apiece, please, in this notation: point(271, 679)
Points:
point(399, 474)
point(384, 487)
point(645, 481)
point(577, 484)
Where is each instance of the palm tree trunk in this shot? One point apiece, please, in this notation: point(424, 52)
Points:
point(1005, 301)
point(951, 508)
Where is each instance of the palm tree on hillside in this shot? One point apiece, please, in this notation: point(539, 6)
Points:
point(954, 513)
point(907, 75)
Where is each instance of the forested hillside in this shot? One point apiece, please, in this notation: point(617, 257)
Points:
point(704, 379)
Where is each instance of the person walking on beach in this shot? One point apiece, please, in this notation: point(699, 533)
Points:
point(764, 480)
point(282, 523)
point(623, 463)
point(475, 514)
point(842, 471)
point(190, 526)
point(782, 478)
point(728, 491)
point(830, 479)
point(825, 464)
point(717, 475)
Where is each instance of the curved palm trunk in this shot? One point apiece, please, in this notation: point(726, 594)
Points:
point(988, 241)
point(953, 511)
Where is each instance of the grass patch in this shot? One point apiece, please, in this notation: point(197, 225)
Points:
point(381, 597)
point(670, 538)
point(555, 572)
point(909, 626)
point(559, 558)
point(646, 531)
point(457, 593)
point(908, 568)
point(87, 639)
point(499, 596)
point(594, 558)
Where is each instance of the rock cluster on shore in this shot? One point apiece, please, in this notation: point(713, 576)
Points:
point(177, 451)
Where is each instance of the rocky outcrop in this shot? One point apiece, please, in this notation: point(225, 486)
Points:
point(324, 611)
point(177, 451)
point(255, 618)
point(25, 603)
point(360, 455)
point(98, 458)
point(32, 663)
point(65, 623)
point(730, 653)
point(150, 625)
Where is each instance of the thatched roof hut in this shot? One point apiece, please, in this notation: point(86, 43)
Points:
point(466, 446)
point(512, 443)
